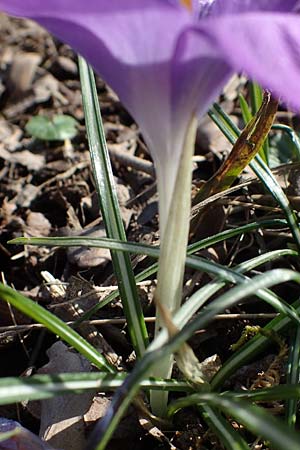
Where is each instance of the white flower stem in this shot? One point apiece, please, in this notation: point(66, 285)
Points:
point(173, 253)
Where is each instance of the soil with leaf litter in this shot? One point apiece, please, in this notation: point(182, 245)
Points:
point(47, 190)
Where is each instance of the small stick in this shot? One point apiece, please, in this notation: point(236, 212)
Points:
point(122, 321)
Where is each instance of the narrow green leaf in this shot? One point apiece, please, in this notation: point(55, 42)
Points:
point(194, 262)
point(123, 397)
point(207, 242)
point(200, 297)
point(54, 324)
point(196, 246)
point(228, 437)
point(224, 123)
point(280, 392)
point(256, 419)
point(150, 250)
point(267, 178)
point(106, 190)
point(38, 387)
point(292, 134)
point(256, 96)
point(246, 113)
point(293, 377)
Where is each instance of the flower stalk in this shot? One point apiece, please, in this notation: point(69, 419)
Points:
point(174, 239)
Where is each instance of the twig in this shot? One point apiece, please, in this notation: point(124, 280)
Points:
point(122, 321)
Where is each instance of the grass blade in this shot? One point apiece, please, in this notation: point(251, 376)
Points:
point(150, 250)
point(281, 392)
point(291, 133)
point(256, 96)
point(293, 377)
point(54, 324)
point(194, 262)
point(105, 187)
point(39, 387)
point(151, 270)
point(104, 429)
point(256, 419)
point(269, 181)
point(200, 297)
point(229, 438)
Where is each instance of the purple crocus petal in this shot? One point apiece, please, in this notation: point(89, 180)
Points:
point(167, 63)
point(220, 7)
point(140, 48)
point(266, 46)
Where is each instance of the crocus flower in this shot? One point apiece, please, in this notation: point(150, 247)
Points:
point(169, 59)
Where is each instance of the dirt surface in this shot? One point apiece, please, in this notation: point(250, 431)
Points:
point(46, 189)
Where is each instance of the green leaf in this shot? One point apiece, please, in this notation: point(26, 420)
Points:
point(228, 436)
point(54, 324)
point(126, 393)
point(192, 248)
point(194, 262)
point(200, 297)
point(293, 146)
point(256, 419)
point(59, 128)
point(38, 387)
point(293, 377)
point(256, 96)
point(106, 190)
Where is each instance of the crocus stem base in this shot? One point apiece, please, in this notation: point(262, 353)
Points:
point(173, 254)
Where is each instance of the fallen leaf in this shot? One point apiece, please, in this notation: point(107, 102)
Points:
point(87, 257)
point(26, 158)
point(10, 136)
point(62, 423)
point(37, 224)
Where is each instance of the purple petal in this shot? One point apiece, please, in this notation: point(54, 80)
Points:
point(265, 46)
point(167, 64)
point(219, 7)
point(140, 48)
